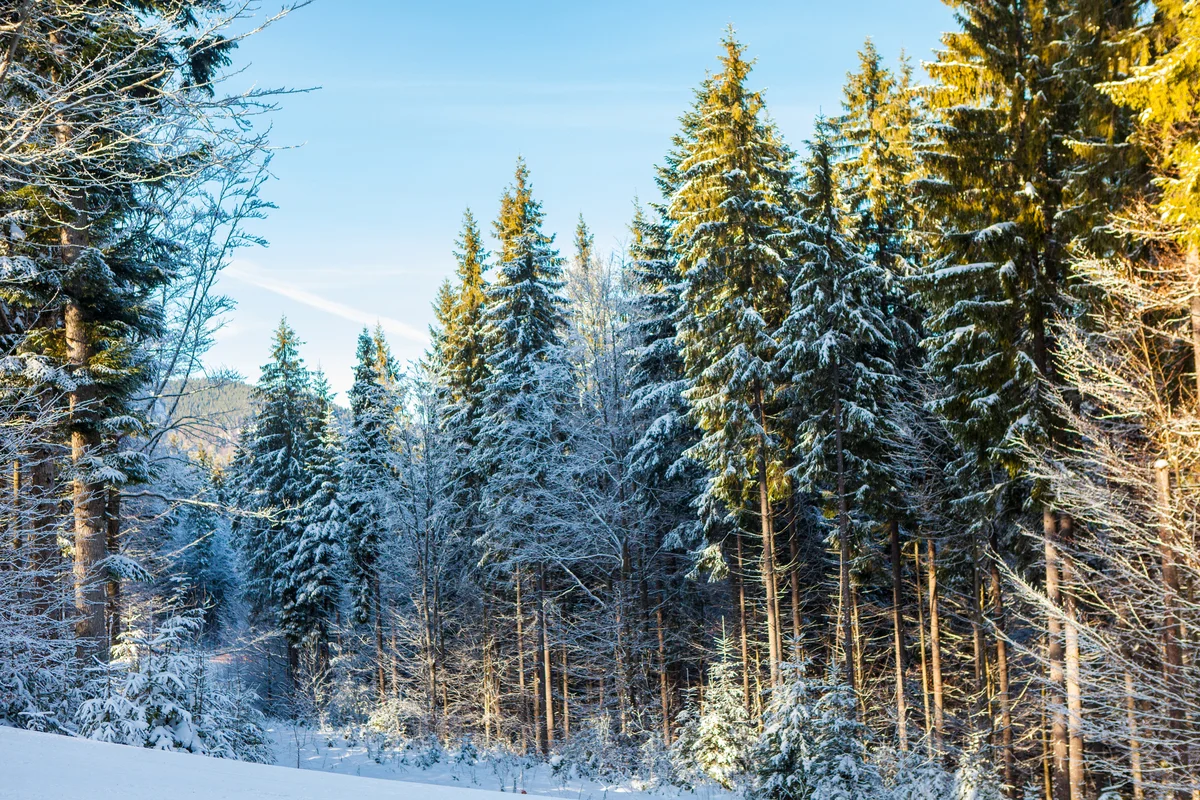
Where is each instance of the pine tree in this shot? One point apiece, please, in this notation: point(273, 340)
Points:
point(309, 577)
point(838, 359)
point(727, 216)
point(720, 746)
point(839, 768)
point(271, 477)
point(784, 752)
point(523, 439)
point(365, 481)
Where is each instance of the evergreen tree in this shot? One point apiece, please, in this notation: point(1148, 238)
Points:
point(839, 357)
point(720, 746)
point(727, 216)
point(271, 475)
point(310, 581)
point(839, 768)
point(365, 481)
point(785, 749)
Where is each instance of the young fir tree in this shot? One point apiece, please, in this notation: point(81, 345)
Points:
point(365, 480)
point(203, 559)
point(838, 356)
point(785, 749)
point(727, 215)
point(839, 767)
point(271, 476)
point(721, 743)
point(310, 580)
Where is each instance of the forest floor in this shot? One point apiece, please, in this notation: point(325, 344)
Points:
point(330, 751)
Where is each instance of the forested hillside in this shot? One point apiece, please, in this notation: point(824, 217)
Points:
point(870, 469)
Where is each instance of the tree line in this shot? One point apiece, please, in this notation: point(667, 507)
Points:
point(878, 452)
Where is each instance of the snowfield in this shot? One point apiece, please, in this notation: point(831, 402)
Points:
point(43, 766)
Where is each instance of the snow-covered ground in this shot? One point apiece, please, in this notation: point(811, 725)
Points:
point(42, 766)
point(331, 752)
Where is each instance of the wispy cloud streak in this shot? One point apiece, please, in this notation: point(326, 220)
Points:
point(389, 324)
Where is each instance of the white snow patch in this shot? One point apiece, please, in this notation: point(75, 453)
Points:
point(43, 766)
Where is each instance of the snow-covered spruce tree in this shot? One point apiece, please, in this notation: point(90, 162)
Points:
point(366, 477)
point(523, 435)
point(918, 777)
point(270, 475)
point(975, 777)
point(726, 217)
point(839, 768)
point(310, 578)
point(784, 751)
point(838, 357)
point(720, 744)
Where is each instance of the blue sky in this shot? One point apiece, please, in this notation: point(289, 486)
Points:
point(423, 108)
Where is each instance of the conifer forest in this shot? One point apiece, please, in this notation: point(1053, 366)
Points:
point(870, 470)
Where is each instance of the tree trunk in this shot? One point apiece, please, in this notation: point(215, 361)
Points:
point(88, 496)
point(1054, 653)
point(524, 706)
point(794, 575)
point(566, 688)
point(1193, 264)
point(546, 678)
point(663, 688)
point(1072, 675)
point(844, 550)
point(1002, 697)
point(924, 659)
point(380, 678)
point(898, 635)
point(1135, 745)
point(1171, 632)
point(768, 542)
point(935, 647)
point(741, 601)
point(112, 587)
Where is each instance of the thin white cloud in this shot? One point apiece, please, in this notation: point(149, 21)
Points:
point(389, 324)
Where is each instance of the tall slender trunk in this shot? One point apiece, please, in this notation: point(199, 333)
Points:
point(547, 682)
point(1002, 696)
point(1135, 745)
point(741, 601)
point(924, 659)
point(1054, 653)
point(794, 576)
point(112, 587)
point(1171, 627)
point(768, 542)
point(566, 696)
point(524, 706)
point(87, 494)
point(898, 635)
point(935, 648)
point(380, 678)
point(1072, 674)
point(844, 549)
point(663, 688)
point(1193, 263)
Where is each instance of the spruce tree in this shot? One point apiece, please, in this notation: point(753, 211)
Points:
point(838, 358)
point(271, 477)
point(784, 752)
point(366, 477)
point(727, 216)
point(721, 743)
point(839, 768)
point(309, 582)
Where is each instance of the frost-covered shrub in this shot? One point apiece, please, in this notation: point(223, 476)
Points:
point(159, 693)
